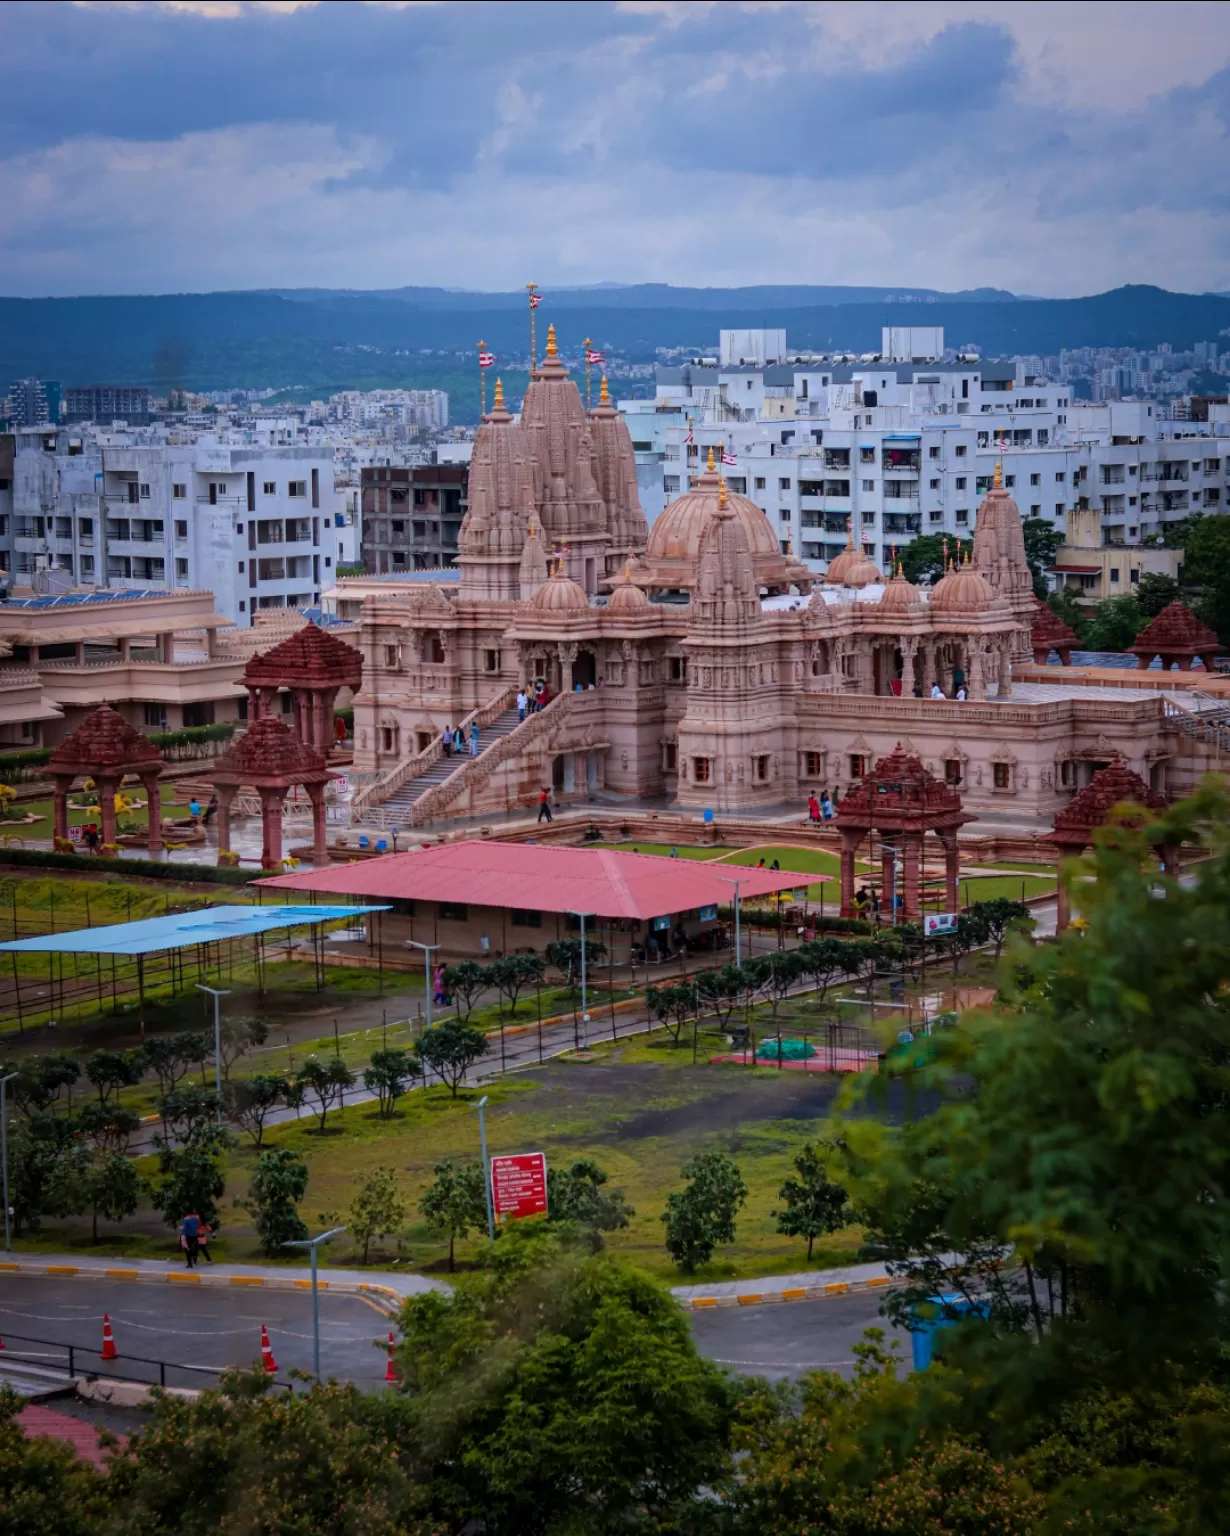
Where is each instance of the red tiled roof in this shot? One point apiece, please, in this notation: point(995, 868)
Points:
point(269, 753)
point(103, 740)
point(1110, 786)
point(601, 881)
point(1048, 628)
point(1176, 628)
point(900, 794)
point(310, 656)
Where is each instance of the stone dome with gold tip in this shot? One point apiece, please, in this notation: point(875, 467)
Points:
point(900, 594)
point(559, 593)
point(962, 589)
point(626, 596)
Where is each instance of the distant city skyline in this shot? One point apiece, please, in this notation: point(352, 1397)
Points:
point(1048, 149)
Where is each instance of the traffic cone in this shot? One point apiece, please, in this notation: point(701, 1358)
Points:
point(267, 1359)
point(109, 1351)
point(389, 1373)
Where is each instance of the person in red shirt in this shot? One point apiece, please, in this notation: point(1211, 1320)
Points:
point(544, 805)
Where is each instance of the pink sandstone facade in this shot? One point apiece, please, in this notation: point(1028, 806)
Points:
point(700, 664)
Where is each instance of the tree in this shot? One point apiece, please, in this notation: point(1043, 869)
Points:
point(279, 1183)
point(925, 555)
point(577, 1194)
point(465, 984)
point(109, 1125)
point(250, 1101)
point(565, 956)
point(39, 1079)
point(110, 1071)
point(377, 1209)
point(451, 1048)
point(191, 1179)
point(1116, 623)
point(1155, 592)
point(514, 974)
point(455, 1203)
point(328, 1078)
point(111, 1188)
point(237, 1037)
point(702, 1215)
point(814, 1205)
point(185, 1110)
point(390, 1074)
point(673, 1006)
point(47, 1488)
point(1042, 543)
point(822, 961)
point(1206, 568)
point(1001, 916)
point(1064, 605)
point(776, 973)
point(170, 1056)
point(720, 991)
point(37, 1147)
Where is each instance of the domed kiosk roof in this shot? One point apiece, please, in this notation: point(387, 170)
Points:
point(900, 594)
point(626, 597)
point(962, 590)
point(560, 594)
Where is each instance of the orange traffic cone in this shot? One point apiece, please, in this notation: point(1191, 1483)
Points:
point(109, 1351)
point(267, 1359)
point(389, 1373)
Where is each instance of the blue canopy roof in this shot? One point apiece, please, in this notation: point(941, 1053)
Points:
point(208, 925)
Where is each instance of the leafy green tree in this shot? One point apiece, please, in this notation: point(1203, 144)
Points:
point(1206, 568)
point(191, 1179)
point(565, 956)
point(40, 1079)
point(110, 1071)
point(391, 1072)
point(1000, 918)
point(813, 1205)
point(1116, 623)
point(250, 1101)
point(514, 974)
point(1042, 543)
point(455, 1203)
point(239, 1037)
point(185, 1110)
point(587, 1406)
point(702, 1215)
point(46, 1488)
point(578, 1194)
point(720, 991)
point(328, 1077)
point(111, 1188)
point(925, 555)
point(451, 1048)
point(170, 1056)
point(38, 1146)
point(279, 1183)
point(377, 1209)
point(465, 984)
point(109, 1125)
point(1155, 592)
point(673, 1006)
point(1064, 604)
point(776, 974)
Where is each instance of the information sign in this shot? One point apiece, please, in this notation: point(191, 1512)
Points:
point(519, 1186)
point(935, 924)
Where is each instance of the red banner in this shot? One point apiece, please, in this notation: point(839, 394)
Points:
point(519, 1186)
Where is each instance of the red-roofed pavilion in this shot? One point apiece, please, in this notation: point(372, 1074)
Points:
point(105, 748)
point(270, 757)
point(1048, 633)
point(1114, 785)
point(314, 665)
point(1178, 637)
point(901, 801)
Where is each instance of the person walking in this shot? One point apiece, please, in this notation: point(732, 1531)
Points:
point(523, 704)
point(438, 993)
point(544, 805)
point(204, 1236)
point(813, 809)
point(446, 740)
point(211, 810)
point(189, 1238)
point(474, 738)
point(459, 745)
point(936, 691)
point(194, 809)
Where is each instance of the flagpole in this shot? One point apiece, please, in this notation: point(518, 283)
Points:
point(531, 289)
point(588, 344)
point(482, 380)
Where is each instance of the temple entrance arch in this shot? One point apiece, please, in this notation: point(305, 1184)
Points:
point(585, 670)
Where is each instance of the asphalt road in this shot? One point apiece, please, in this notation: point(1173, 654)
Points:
point(219, 1327)
point(204, 1327)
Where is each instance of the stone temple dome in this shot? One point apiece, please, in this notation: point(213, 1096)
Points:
point(899, 594)
point(626, 597)
point(836, 573)
point(962, 590)
point(560, 594)
point(862, 572)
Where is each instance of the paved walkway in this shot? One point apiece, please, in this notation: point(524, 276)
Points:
point(809, 1285)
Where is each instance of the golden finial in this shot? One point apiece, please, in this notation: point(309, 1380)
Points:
point(998, 482)
point(497, 400)
point(722, 492)
point(552, 349)
point(604, 394)
point(628, 571)
point(533, 530)
point(709, 466)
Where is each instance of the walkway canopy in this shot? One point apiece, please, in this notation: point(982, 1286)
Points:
point(209, 925)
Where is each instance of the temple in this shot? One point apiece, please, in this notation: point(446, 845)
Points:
point(699, 664)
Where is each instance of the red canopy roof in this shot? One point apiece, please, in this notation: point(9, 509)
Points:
point(597, 881)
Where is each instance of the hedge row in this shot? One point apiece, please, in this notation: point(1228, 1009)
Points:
point(151, 869)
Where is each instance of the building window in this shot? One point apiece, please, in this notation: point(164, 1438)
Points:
point(1060, 478)
point(701, 769)
point(179, 492)
point(397, 526)
point(1059, 509)
point(933, 485)
point(1067, 774)
point(678, 669)
point(960, 482)
point(961, 516)
point(491, 661)
point(952, 771)
point(670, 485)
point(181, 528)
point(454, 912)
point(1009, 481)
point(1036, 510)
point(390, 655)
point(858, 765)
point(960, 450)
point(1035, 479)
point(869, 485)
point(270, 488)
point(811, 762)
point(144, 491)
point(297, 488)
point(762, 767)
point(934, 453)
point(671, 757)
point(522, 918)
point(243, 608)
point(1114, 577)
point(156, 716)
point(1002, 775)
point(759, 482)
point(181, 570)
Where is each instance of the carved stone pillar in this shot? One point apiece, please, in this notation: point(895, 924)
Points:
point(1005, 670)
point(153, 794)
point(849, 843)
point(977, 686)
point(909, 650)
point(320, 839)
point(107, 789)
point(911, 908)
point(225, 793)
point(271, 828)
point(929, 649)
point(952, 865)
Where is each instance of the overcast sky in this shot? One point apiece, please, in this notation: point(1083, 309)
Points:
point(1048, 148)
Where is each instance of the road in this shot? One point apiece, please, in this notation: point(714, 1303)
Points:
point(219, 1327)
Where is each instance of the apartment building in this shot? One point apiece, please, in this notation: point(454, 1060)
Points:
point(411, 517)
point(106, 403)
point(892, 450)
point(255, 525)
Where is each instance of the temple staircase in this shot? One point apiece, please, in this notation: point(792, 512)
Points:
point(1210, 725)
point(399, 803)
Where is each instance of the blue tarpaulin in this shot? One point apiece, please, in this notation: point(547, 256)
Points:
point(208, 925)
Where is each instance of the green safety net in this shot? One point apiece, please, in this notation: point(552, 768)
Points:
point(791, 1050)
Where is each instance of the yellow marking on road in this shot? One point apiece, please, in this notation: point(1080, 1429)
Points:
point(247, 1280)
point(15, 1267)
point(374, 1305)
point(704, 1301)
point(752, 1296)
point(182, 1279)
point(61, 1269)
point(837, 1288)
point(881, 1280)
point(122, 1274)
point(797, 1294)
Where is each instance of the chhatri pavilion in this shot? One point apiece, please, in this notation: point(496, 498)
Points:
point(698, 663)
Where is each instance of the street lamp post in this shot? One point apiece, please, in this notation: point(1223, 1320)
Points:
point(311, 1244)
point(482, 1141)
point(217, 996)
point(584, 989)
point(738, 884)
point(427, 953)
point(4, 1156)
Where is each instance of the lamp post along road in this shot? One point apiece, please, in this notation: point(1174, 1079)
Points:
point(584, 989)
point(311, 1244)
point(482, 1141)
point(4, 1157)
point(427, 953)
point(217, 997)
point(738, 885)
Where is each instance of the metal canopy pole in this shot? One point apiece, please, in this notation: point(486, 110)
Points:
point(427, 953)
point(311, 1244)
point(217, 996)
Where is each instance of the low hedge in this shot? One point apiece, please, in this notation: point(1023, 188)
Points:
point(204, 874)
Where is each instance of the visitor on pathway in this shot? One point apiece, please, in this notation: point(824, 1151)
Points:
point(189, 1238)
point(474, 738)
point(211, 810)
point(827, 809)
point(459, 745)
point(875, 903)
point(544, 805)
point(674, 853)
point(961, 694)
point(439, 993)
point(936, 691)
point(339, 729)
point(446, 740)
point(523, 704)
point(204, 1234)
point(194, 809)
point(813, 808)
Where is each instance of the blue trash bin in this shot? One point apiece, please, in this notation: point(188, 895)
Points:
point(955, 1309)
point(708, 818)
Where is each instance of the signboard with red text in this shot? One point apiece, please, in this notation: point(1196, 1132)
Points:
point(519, 1186)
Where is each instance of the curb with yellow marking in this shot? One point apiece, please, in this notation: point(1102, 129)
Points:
point(791, 1293)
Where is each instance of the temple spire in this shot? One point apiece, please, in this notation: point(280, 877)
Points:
point(552, 349)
